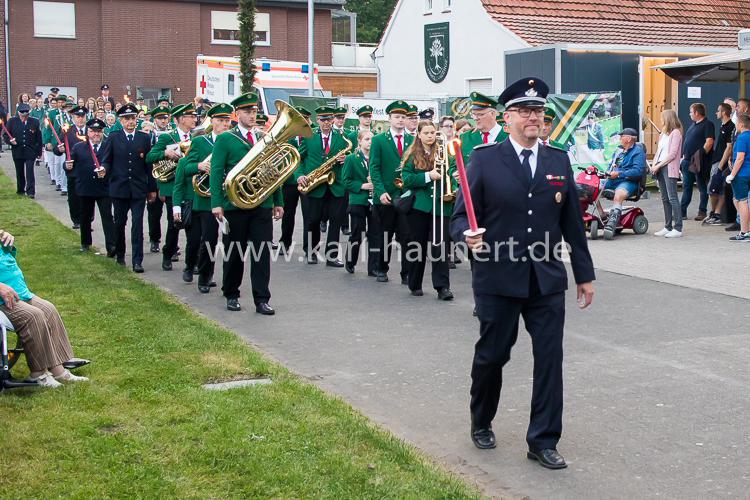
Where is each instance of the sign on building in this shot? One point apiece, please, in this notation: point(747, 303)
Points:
point(436, 51)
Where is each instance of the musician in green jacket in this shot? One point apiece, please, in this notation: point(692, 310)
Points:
point(487, 130)
point(427, 173)
point(291, 193)
point(243, 225)
point(202, 228)
point(356, 177)
point(321, 148)
point(167, 147)
point(364, 114)
point(385, 162)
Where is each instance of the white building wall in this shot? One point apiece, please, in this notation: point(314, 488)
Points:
point(477, 45)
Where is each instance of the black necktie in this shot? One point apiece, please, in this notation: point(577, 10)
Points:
point(526, 153)
point(96, 148)
point(130, 137)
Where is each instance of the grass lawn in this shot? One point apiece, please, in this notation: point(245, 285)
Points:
point(144, 428)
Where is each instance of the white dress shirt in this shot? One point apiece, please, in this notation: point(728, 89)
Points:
point(244, 132)
point(394, 133)
point(494, 132)
point(534, 154)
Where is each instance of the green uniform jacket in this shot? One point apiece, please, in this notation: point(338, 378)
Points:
point(229, 149)
point(352, 136)
point(48, 137)
point(187, 167)
point(38, 113)
point(315, 156)
point(301, 147)
point(384, 164)
point(416, 180)
point(355, 174)
point(473, 138)
point(158, 153)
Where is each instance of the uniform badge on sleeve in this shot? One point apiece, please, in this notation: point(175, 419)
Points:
point(558, 197)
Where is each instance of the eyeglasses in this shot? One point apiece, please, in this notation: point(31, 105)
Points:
point(527, 112)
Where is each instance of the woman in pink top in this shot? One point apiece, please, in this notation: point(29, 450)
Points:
point(666, 168)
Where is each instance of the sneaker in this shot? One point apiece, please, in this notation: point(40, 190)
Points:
point(716, 221)
point(674, 233)
point(46, 380)
point(732, 227)
point(69, 377)
point(740, 236)
point(662, 232)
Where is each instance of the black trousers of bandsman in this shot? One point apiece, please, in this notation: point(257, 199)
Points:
point(255, 227)
point(419, 248)
point(291, 200)
point(389, 225)
point(206, 223)
point(363, 222)
point(313, 210)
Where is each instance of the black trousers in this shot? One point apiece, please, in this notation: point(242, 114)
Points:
point(88, 203)
point(136, 208)
point(209, 228)
point(419, 248)
point(291, 199)
point(25, 182)
point(256, 228)
point(390, 223)
point(193, 238)
point(155, 210)
point(170, 243)
point(544, 317)
point(335, 208)
point(74, 201)
point(362, 221)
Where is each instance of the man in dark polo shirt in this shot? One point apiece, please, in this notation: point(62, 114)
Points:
point(721, 157)
point(699, 135)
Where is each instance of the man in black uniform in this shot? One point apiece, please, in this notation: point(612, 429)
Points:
point(75, 133)
point(130, 181)
point(26, 146)
point(92, 186)
point(525, 197)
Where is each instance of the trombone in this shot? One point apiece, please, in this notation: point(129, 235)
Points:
point(442, 189)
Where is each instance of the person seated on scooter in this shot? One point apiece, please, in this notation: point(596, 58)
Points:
point(624, 176)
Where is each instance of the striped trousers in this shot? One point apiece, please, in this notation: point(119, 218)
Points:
point(40, 327)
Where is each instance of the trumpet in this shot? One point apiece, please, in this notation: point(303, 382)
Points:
point(442, 189)
point(201, 182)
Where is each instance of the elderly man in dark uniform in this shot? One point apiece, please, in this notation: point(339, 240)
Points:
point(130, 182)
point(92, 185)
point(525, 197)
point(75, 134)
point(26, 146)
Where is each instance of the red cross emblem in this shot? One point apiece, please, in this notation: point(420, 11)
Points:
point(203, 84)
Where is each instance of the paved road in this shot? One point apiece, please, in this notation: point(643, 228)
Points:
point(656, 372)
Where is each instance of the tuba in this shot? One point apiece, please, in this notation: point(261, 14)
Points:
point(204, 128)
point(324, 174)
point(164, 170)
point(269, 162)
point(201, 183)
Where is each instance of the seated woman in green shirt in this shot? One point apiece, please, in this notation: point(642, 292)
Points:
point(37, 322)
point(421, 177)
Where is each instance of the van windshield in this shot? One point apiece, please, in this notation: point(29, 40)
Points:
point(275, 93)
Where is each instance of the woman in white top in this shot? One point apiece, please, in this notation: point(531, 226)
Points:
point(666, 168)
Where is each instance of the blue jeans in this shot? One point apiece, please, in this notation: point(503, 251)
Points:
point(689, 179)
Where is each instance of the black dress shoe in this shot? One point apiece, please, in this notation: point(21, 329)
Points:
point(187, 275)
point(382, 278)
point(483, 438)
point(32, 196)
point(417, 293)
point(76, 225)
point(137, 268)
point(346, 231)
point(274, 245)
point(212, 284)
point(312, 259)
point(264, 309)
point(233, 305)
point(404, 281)
point(154, 247)
point(445, 294)
point(349, 268)
point(451, 265)
point(548, 458)
point(84, 248)
point(204, 288)
point(176, 257)
point(334, 263)
point(371, 274)
point(111, 253)
point(74, 363)
point(166, 265)
point(121, 262)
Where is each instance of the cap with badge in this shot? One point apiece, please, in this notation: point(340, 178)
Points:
point(177, 110)
point(23, 108)
point(61, 97)
point(105, 87)
point(397, 107)
point(54, 90)
point(340, 112)
point(303, 112)
point(127, 109)
point(163, 98)
point(412, 111)
point(324, 112)
point(549, 114)
point(248, 100)
point(261, 119)
point(427, 114)
point(481, 101)
point(79, 111)
point(96, 124)
point(39, 94)
point(527, 92)
point(221, 110)
point(160, 112)
point(185, 110)
point(365, 110)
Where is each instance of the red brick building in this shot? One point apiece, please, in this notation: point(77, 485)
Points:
point(145, 47)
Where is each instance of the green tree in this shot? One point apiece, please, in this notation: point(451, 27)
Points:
point(372, 17)
point(246, 17)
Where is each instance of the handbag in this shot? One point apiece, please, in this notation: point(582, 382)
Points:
point(404, 203)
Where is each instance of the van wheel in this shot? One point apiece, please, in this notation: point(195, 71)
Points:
point(640, 224)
